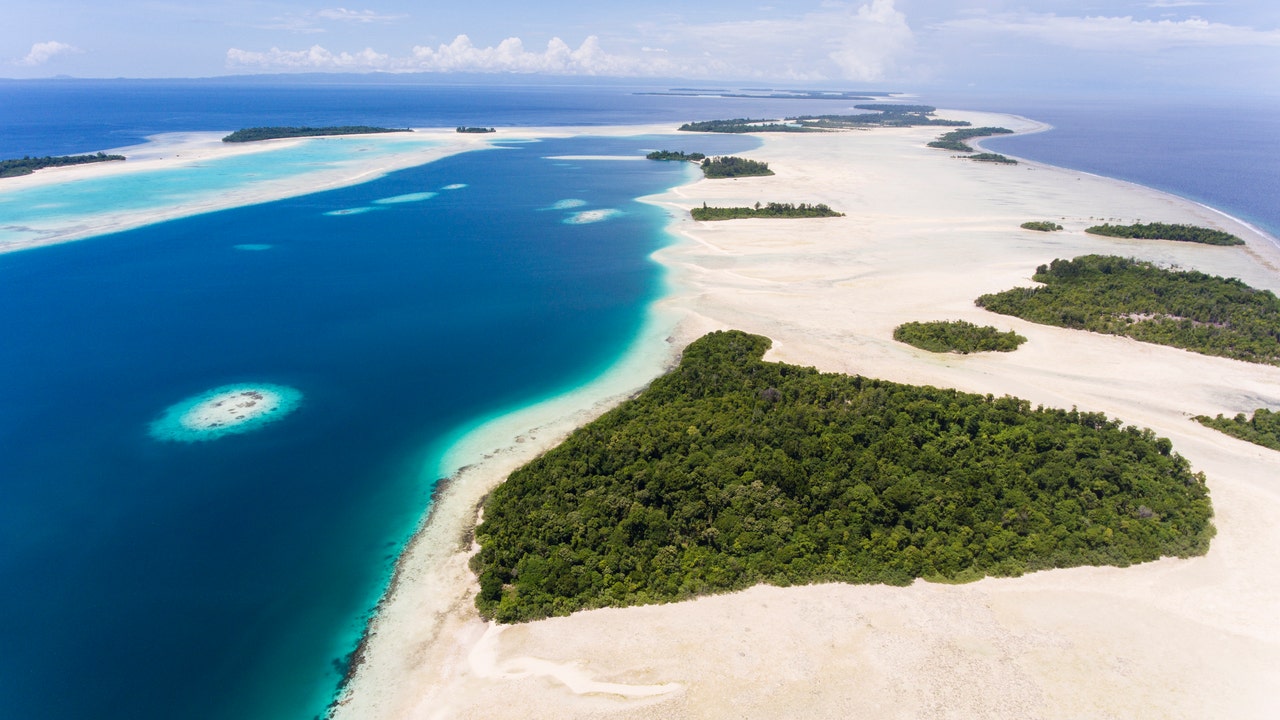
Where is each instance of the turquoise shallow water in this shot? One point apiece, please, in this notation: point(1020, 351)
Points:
point(230, 578)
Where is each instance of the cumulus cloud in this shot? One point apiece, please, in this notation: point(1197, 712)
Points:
point(360, 16)
point(841, 41)
point(1119, 33)
point(43, 52)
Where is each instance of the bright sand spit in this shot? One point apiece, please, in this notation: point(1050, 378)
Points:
point(924, 235)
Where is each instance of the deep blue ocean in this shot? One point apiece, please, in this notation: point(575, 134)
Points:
point(141, 578)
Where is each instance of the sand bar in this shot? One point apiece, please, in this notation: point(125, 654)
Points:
point(924, 234)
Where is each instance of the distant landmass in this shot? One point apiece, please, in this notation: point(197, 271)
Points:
point(273, 133)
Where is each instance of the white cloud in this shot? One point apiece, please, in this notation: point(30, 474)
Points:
point(1118, 33)
point(362, 16)
point(43, 52)
point(845, 41)
point(1176, 3)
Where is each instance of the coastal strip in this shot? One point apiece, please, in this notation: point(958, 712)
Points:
point(922, 238)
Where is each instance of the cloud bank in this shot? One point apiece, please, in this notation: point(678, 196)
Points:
point(43, 52)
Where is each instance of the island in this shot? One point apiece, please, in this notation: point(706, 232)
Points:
point(733, 167)
point(957, 336)
point(955, 140)
point(1263, 428)
point(1041, 226)
point(1166, 231)
point(769, 210)
point(742, 125)
point(676, 155)
point(992, 158)
point(225, 410)
point(1187, 309)
point(274, 133)
point(465, 129)
point(730, 471)
point(28, 165)
point(878, 115)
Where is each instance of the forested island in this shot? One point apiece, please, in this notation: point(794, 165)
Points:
point(730, 471)
point(769, 210)
point(1166, 231)
point(742, 125)
point(676, 155)
point(992, 158)
point(955, 140)
point(466, 129)
point(728, 166)
point(1041, 226)
point(957, 336)
point(275, 133)
point(1263, 428)
point(28, 165)
point(877, 115)
point(1123, 296)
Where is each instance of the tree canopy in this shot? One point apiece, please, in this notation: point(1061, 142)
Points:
point(731, 471)
point(956, 336)
point(770, 210)
point(1262, 428)
point(273, 133)
point(1167, 231)
point(728, 166)
point(28, 165)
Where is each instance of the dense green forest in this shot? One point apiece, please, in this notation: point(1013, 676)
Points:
point(273, 133)
point(1166, 231)
point(675, 155)
point(465, 129)
point(885, 116)
point(956, 336)
point(742, 125)
point(955, 140)
point(1122, 296)
point(770, 210)
point(728, 166)
point(1261, 429)
point(730, 471)
point(28, 165)
point(993, 158)
point(1041, 225)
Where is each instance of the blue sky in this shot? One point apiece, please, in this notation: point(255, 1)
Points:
point(895, 44)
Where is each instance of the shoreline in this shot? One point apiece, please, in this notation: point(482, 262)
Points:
point(452, 665)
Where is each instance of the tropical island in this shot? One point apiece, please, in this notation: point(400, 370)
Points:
point(465, 129)
point(1262, 428)
point(1187, 309)
point(770, 210)
point(730, 471)
point(992, 158)
point(729, 166)
point(742, 125)
point(275, 133)
point(955, 140)
point(1166, 231)
point(28, 165)
point(876, 115)
point(1041, 226)
point(957, 336)
point(676, 155)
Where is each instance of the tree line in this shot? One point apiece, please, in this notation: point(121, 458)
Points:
point(957, 336)
point(27, 165)
point(1166, 231)
point(274, 133)
point(769, 210)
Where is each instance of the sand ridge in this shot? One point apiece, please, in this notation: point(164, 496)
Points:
point(924, 234)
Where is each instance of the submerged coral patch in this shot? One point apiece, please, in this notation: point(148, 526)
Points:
point(253, 246)
point(349, 211)
point(225, 410)
point(591, 216)
point(454, 186)
point(407, 198)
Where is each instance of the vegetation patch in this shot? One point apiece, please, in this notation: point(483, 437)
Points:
point(730, 471)
point(676, 155)
point(1167, 231)
point(1041, 226)
point(955, 140)
point(993, 158)
point(957, 336)
point(28, 165)
point(1261, 429)
point(771, 210)
point(274, 133)
point(731, 167)
point(743, 125)
point(1123, 296)
point(877, 115)
point(466, 129)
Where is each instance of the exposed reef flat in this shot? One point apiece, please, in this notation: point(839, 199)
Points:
point(226, 410)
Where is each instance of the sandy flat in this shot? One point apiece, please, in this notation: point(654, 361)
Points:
point(924, 234)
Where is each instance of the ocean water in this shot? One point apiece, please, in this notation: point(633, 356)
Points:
point(143, 577)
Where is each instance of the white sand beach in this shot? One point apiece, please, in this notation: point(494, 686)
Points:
point(924, 234)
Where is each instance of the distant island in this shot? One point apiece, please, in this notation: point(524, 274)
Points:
point(771, 94)
point(676, 155)
point(1041, 226)
point(1122, 296)
point(732, 167)
point(731, 471)
point(28, 165)
point(877, 115)
point(957, 336)
point(275, 133)
point(741, 125)
point(1166, 231)
point(955, 140)
point(465, 129)
point(771, 210)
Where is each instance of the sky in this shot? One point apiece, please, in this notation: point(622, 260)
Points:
point(1122, 45)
